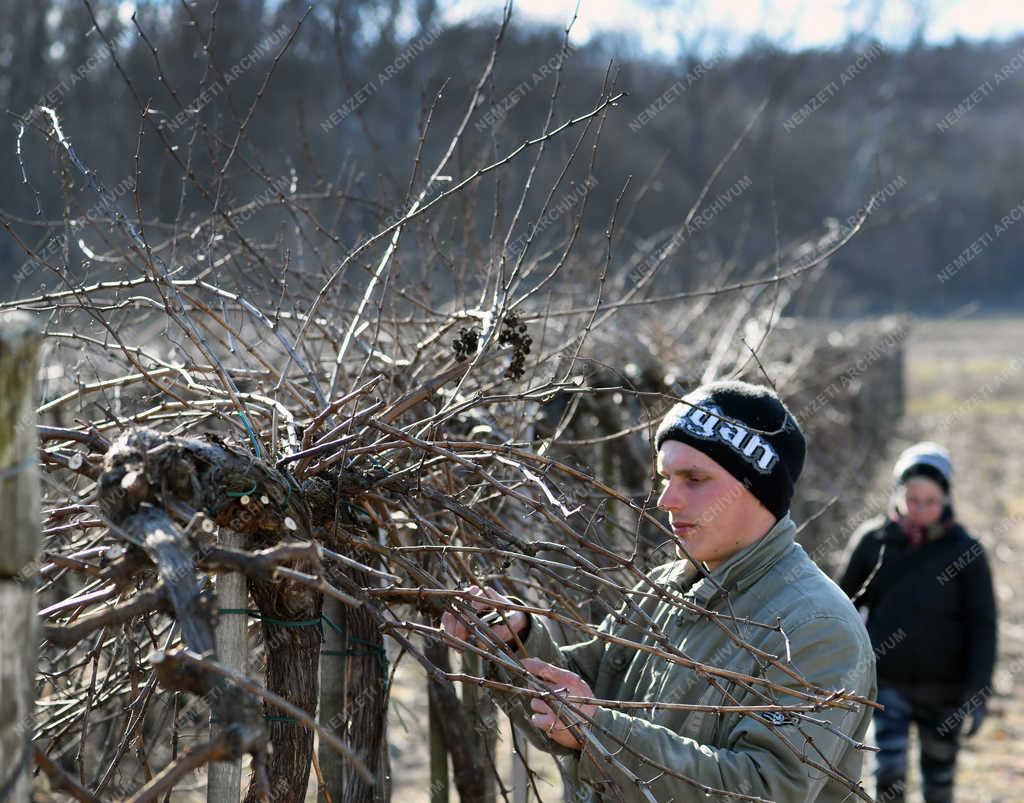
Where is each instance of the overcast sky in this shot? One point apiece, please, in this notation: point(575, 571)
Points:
point(659, 25)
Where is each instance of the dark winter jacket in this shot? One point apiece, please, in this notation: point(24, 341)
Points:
point(931, 611)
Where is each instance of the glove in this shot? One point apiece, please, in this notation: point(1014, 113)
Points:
point(977, 717)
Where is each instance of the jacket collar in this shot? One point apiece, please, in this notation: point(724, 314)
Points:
point(742, 569)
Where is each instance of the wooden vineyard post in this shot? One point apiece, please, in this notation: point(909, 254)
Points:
point(19, 550)
point(438, 754)
point(481, 715)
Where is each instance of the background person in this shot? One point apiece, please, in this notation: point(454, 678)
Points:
point(931, 614)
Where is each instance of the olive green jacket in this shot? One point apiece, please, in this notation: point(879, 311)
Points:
point(771, 581)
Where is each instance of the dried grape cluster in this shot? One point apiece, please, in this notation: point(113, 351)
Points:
point(465, 343)
point(513, 333)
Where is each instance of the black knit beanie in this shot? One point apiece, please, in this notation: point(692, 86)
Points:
point(748, 431)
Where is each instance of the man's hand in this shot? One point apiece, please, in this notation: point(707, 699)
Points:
point(483, 599)
point(544, 718)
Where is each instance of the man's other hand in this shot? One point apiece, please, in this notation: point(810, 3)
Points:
point(544, 718)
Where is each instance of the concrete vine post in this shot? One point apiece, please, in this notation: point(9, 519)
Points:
point(225, 777)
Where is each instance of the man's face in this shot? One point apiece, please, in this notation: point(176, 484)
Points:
point(710, 511)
